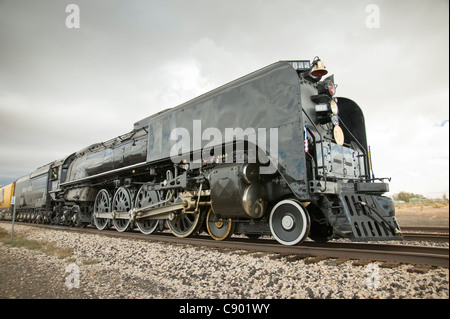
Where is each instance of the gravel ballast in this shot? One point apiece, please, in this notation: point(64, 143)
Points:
point(107, 267)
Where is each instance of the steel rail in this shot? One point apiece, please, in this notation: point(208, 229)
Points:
point(430, 229)
point(410, 254)
point(434, 237)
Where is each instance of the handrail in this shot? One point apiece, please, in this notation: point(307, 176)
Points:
point(366, 166)
point(321, 151)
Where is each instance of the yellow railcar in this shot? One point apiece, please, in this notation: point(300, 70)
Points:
point(6, 194)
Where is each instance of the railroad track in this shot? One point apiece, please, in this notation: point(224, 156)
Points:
point(434, 234)
point(431, 229)
point(410, 236)
point(410, 254)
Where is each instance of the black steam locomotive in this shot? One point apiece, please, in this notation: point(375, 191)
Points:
point(272, 153)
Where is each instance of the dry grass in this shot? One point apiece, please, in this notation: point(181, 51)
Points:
point(89, 261)
point(423, 214)
point(20, 241)
point(428, 205)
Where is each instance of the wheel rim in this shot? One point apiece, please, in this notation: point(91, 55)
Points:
point(185, 225)
point(122, 202)
point(145, 197)
point(289, 222)
point(102, 204)
point(218, 228)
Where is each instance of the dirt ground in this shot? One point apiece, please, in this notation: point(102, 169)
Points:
point(422, 214)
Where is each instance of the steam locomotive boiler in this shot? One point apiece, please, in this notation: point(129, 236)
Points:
point(272, 153)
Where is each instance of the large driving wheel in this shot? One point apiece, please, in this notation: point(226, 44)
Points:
point(186, 225)
point(146, 197)
point(122, 202)
point(102, 204)
point(289, 222)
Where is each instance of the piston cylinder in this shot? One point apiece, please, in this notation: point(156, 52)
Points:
point(236, 191)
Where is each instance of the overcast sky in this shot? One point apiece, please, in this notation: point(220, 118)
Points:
point(62, 89)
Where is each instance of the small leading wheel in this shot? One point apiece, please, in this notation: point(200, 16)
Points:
point(218, 228)
point(289, 222)
point(102, 204)
point(122, 202)
point(146, 197)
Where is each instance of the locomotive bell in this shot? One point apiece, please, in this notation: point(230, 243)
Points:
point(319, 69)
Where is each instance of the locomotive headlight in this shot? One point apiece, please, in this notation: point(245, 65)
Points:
point(338, 135)
point(334, 107)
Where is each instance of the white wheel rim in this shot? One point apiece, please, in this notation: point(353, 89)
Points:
point(286, 223)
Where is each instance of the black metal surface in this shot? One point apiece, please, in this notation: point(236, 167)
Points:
point(124, 151)
point(370, 217)
point(31, 190)
point(236, 193)
point(353, 124)
point(268, 98)
point(372, 188)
